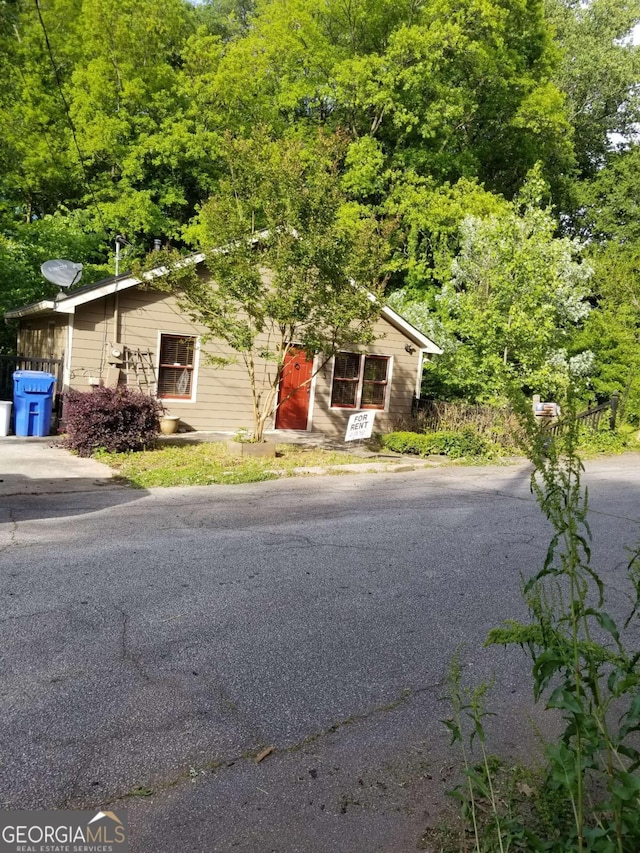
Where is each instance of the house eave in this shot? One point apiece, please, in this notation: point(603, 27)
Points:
point(46, 306)
point(124, 283)
point(422, 342)
point(68, 303)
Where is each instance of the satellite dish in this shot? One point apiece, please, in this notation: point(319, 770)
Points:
point(62, 273)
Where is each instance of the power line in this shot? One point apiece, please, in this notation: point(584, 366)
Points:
point(68, 115)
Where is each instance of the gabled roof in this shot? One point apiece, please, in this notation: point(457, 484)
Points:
point(404, 326)
point(66, 303)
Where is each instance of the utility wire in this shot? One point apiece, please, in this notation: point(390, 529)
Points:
point(68, 116)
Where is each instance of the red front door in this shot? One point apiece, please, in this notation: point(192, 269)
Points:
point(294, 392)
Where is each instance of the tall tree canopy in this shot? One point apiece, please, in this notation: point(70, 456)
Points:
point(598, 72)
point(117, 119)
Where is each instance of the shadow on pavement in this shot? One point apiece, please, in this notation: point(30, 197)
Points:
point(39, 478)
point(25, 499)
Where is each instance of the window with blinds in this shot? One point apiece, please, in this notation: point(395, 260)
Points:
point(175, 372)
point(346, 379)
point(359, 381)
point(374, 382)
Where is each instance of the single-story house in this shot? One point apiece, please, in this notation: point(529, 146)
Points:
point(121, 331)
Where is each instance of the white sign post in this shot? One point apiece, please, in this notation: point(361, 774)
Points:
point(360, 426)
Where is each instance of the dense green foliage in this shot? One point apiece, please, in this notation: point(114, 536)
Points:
point(458, 445)
point(515, 293)
point(118, 119)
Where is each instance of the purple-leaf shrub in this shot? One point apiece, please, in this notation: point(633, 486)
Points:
point(115, 419)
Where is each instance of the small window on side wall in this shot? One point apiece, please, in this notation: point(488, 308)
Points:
point(175, 372)
point(360, 381)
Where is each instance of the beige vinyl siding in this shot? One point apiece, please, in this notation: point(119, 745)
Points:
point(43, 337)
point(137, 317)
point(402, 387)
point(222, 394)
point(92, 331)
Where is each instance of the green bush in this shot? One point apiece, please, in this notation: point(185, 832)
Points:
point(465, 443)
point(407, 442)
point(603, 440)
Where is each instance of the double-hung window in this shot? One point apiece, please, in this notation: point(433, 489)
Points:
point(176, 368)
point(360, 381)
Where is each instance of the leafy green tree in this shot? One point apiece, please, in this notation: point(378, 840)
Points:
point(39, 167)
point(225, 19)
point(609, 207)
point(446, 90)
point(124, 102)
point(98, 115)
point(464, 91)
point(281, 249)
point(516, 295)
point(612, 333)
point(610, 221)
point(598, 73)
point(430, 217)
point(28, 246)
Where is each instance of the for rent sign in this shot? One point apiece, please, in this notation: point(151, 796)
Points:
point(360, 426)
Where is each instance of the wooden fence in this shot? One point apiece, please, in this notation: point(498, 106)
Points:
point(10, 363)
point(592, 417)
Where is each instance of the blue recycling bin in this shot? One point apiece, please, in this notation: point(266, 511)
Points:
point(33, 392)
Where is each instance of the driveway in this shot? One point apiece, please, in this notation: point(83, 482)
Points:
point(36, 466)
point(152, 648)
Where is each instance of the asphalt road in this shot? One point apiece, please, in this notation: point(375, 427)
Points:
point(153, 643)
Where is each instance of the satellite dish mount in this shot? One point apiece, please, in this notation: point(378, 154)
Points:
point(120, 242)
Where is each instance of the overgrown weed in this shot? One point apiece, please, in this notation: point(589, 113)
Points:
point(497, 425)
point(586, 797)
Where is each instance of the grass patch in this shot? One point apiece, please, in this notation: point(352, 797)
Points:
point(209, 463)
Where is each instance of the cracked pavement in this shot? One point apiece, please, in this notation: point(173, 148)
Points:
point(153, 643)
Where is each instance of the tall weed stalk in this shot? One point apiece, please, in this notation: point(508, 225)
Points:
point(583, 666)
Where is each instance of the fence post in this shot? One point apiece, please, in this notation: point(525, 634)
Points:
point(614, 408)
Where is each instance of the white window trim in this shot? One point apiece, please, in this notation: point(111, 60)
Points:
point(358, 406)
point(176, 401)
point(68, 355)
point(315, 369)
